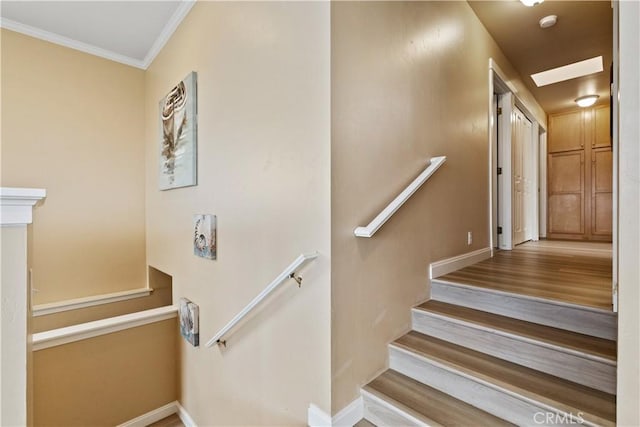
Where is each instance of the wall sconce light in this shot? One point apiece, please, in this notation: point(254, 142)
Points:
point(587, 100)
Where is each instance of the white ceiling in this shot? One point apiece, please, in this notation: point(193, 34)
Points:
point(131, 32)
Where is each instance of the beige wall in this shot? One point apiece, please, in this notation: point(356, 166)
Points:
point(73, 123)
point(629, 218)
point(409, 81)
point(161, 296)
point(264, 170)
point(106, 380)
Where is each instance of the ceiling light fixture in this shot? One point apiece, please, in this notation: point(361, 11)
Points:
point(530, 3)
point(548, 21)
point(567, 72)
point(587, 100)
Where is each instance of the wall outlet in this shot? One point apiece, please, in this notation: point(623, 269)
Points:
point(469, 237)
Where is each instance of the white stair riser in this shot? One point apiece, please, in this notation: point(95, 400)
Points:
point(593, 322)
point(382, 413)
point(599, 374)
point(501, 403)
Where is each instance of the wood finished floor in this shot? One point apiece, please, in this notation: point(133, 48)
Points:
point(573, 272)
point(170, 421)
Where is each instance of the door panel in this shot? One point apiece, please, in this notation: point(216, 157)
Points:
point(566, 193)
point(521, 138)
point(566, 132)
point(602, 132)
point(601, 192)
point(565, 214)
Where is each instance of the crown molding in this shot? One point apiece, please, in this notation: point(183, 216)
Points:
point(166, 33)
point(168, 30)
point(16, 204)
point(68, 42)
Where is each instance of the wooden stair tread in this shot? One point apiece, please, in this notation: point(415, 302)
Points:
point(526, 382)
point(364, 423)
point(432, 404)
point(557, 337)
point(575, 278)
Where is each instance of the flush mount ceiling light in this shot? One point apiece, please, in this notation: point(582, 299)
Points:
point(548, 21)
point(530, 3)
point(568, 72)
point(587, 100)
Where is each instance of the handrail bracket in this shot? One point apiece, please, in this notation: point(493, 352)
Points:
point(298, 279)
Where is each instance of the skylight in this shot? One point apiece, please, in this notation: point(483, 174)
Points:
point(567, 72)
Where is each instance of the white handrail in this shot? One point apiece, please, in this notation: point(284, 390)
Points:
point(96, 328)
point(287, 273)
point(392, 207)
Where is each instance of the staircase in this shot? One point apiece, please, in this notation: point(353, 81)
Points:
point(483, 357)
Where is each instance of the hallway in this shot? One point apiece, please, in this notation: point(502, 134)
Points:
point(572, 272)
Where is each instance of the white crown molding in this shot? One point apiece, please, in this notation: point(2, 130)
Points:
point(68, 42)
point(166, 33)
point(16, 204)
point(168, 30)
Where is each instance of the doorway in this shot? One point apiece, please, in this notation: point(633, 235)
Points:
point(514, 162)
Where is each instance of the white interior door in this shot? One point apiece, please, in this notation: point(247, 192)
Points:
point(521, 176)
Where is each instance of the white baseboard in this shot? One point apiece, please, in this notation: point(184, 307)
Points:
point(159, 414)
point(445, 266)
point(347, 417)
point(316, 417)
point(184, 416)
point(152, 416)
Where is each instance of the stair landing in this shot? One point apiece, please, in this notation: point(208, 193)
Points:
point(572, 272)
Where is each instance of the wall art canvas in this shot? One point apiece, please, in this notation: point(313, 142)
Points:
point(204, 236)
point(178, 135)
point(189, 321)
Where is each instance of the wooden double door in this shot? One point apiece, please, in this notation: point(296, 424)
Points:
point(580, 178)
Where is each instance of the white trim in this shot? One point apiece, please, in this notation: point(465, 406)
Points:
point(445, 266)
point(83, 331)
point(527, 297)
point(505, 160)
point(541, 342)
point(164, 36)
point(77, 303)
point(396, 203)
point(184, 416)
point(286, 274)
point(316, 417)
point(152, 416)
point(168, 30)
point(16, 204)
point(348, 416)
point(159, 414)
point(69, 42)
point(493, 65)
point(411, 420)
point(542, 194)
